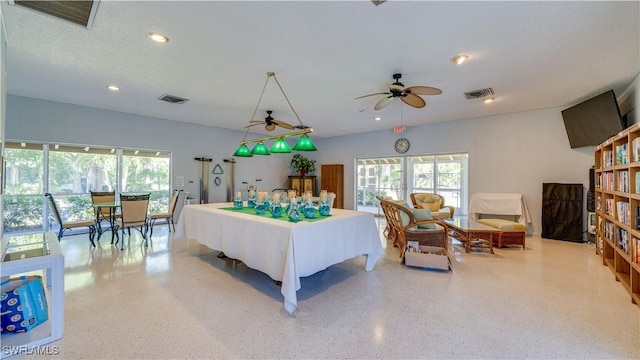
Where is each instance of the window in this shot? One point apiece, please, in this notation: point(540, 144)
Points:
point(444, 174)
point(76, 171)
point(24, 174)
point(70, 173)
point(144, 171)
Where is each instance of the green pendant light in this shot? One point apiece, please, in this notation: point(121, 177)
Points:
point(260, 149)
point(243, 151)
point(280, 147)
point(304, 143)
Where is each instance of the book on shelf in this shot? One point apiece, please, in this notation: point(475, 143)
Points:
point(623, 212)
point(607, 158)
point(635, 250)
point(621, 154)
point(623, 240)
point(623, 180)
point(635, 149)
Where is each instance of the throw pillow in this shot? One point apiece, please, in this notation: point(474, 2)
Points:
point(423, 214)
point(403, 215)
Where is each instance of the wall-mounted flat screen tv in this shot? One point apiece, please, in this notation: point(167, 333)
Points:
point(593, 121)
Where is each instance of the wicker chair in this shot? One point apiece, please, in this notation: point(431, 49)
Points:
point(433, 202)
point(411, 232)
point(388, 232)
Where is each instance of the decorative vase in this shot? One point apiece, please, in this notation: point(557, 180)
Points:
point(302, 173)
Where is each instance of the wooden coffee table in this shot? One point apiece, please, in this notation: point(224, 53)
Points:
point(472, 233)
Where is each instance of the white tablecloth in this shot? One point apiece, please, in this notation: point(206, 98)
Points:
point(283, 250)
point(499, 204)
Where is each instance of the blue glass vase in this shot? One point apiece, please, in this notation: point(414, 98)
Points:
point(276, 210)
point(324, 210)
point(237, 204)
point(310, 213)
point(251, 202)
point(260, 209)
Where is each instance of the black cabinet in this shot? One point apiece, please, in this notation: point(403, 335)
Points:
point(562, 211)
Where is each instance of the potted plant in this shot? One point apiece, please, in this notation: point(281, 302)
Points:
point(302, 165)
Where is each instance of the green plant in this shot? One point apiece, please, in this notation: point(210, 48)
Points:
point(300, 163)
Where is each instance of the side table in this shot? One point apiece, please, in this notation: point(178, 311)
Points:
point(33, 253)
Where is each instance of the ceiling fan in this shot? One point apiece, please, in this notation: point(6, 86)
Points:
point(270, 123)
point(408, 95)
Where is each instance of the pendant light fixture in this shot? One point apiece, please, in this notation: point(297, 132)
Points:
point(280, 146)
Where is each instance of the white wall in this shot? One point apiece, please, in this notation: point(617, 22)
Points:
point(507, 153)
point(46, 121)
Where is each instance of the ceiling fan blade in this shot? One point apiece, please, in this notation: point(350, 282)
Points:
point(256, 122)
point(283, 124)
point(251, 125)
point(380, 93)
point(270, 127)
point(384, 102)
point(424, 90)
point(414, 100)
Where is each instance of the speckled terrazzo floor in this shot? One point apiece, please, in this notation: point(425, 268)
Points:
point(553, 301)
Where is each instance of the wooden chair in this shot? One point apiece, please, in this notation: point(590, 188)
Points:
point(69, 225)
point(133, 214)
point(167, 216)
point(407, 229)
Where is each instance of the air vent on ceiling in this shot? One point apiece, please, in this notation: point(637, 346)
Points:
point(477, 94)
point(173, 99)
point(81, 12)
point(377, 2)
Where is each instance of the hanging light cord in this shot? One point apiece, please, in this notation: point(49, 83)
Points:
point(255, 111)
point(285, 96)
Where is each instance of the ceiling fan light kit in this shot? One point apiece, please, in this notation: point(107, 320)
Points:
point(408, 95)
point(280, 146)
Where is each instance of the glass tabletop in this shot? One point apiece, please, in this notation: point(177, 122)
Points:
point(26, 246)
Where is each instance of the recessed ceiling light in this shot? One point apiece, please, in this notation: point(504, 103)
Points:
point(157, 37)
point(378, 118)
point(459, 59)
point(113, 87)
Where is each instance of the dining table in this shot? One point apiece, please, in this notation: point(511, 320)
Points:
point(110, 217)
point(284, 250)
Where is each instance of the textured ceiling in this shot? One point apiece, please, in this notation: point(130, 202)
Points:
point(533, 54)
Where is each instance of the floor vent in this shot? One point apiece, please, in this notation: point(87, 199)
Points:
point(477, 94)
point(173, 99)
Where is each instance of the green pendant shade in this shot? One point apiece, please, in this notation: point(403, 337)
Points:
point(243, 151)
point(260, 149)
point(304, 143)
point(280, 147)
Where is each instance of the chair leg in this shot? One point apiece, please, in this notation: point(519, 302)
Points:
point(92, 235)
point(60, 233)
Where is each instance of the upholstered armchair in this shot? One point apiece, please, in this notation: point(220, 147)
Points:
point(434, 203)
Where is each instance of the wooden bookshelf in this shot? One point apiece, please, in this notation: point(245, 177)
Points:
point(617, 201)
